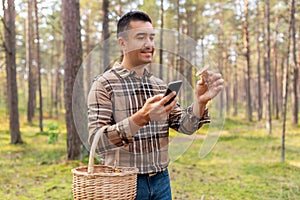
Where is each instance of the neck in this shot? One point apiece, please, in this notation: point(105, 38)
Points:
point(139, 70)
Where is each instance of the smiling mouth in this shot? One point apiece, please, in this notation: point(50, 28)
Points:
point(147, 52)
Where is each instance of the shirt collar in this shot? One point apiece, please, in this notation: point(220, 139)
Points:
point(123, 72)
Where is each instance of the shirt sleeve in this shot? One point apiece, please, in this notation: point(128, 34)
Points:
point(183, 121)
point(100, 112)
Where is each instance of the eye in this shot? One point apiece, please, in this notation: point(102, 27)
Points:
point(140, 37)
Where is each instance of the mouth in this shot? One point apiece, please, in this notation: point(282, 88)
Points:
point(147, 53)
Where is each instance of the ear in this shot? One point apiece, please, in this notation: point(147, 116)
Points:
point(121, 42)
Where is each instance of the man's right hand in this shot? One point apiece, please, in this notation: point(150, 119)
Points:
point(154, 109)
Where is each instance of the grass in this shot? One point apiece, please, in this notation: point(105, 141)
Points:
point(244, 164)
point(35, 170)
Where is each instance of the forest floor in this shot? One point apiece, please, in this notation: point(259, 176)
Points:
point(244, 164)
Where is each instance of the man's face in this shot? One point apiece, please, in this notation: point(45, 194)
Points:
point(139, 43)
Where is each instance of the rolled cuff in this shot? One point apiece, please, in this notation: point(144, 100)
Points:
point(126, 131)
point(192, 123)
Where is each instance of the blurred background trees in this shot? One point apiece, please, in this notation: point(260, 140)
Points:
point(253, 43)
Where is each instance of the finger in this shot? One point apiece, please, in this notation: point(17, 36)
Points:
point(219, 88)
point(202, 71)
point(171, 106)
point(215, 91)
point(218, 82)
point(201, 81)
point(167, 98)
point(214, 77)
point(155, 98)
point(204, 82)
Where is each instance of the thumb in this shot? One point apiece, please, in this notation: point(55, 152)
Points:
point(202, 80)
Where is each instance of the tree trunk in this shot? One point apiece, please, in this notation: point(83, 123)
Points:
point(58, 89)
point(221, 65)
point(10, 60)
point(284, 105)
point(178, 57)
point(258, 57)
point(105, 34)
point(50, 77)
point(285, 83)
point(29, 59)
point(247, 66)
point(235, 90)
point(88, 69)
point(172, 63)
point(161, 74)
point(295, 69)
point(228, 71)
point(268, 71)
point(38, 65)
point(73, 60)
point(275, 56)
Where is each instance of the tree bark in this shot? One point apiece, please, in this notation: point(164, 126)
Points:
point(285, 83)
point(105, 34)
point(247, 66)
point(295, 70)
point(58, 78)
point(72, 63)
point(30, 67)
point(235, 90)
point(161, 39)
point(179, 66)
point(50, 77)
point(38, 60)
point(258, 64)
point(88, 69)
point(10, 60)
point(267, 72)
point(275, 55)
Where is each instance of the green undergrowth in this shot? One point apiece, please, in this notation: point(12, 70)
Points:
point(36, 169)
point(243, 164)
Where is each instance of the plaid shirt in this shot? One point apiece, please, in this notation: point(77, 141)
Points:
point(116, 95)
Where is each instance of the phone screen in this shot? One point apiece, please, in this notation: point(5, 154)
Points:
point(173, 86)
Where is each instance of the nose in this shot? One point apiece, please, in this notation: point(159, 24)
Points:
point(149, 42)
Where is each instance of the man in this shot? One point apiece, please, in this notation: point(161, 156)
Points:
point(128, 104)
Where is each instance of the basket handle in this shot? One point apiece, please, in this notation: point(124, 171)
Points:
point(93, 150)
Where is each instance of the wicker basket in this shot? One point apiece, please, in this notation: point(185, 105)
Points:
point(103, 182)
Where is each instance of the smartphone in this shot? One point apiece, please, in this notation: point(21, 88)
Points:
point(173, 86)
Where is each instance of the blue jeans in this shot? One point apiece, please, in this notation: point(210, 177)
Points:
point(154, 187)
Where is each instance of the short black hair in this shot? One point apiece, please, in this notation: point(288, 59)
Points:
point(124, 21)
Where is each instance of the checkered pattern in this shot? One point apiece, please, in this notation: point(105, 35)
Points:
point(116, 95)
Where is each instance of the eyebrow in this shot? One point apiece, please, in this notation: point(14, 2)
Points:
point(143, 34)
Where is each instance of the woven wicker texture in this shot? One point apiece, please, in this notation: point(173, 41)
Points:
point(103, 182)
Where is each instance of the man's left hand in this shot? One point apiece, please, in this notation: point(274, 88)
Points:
point(209, 86)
